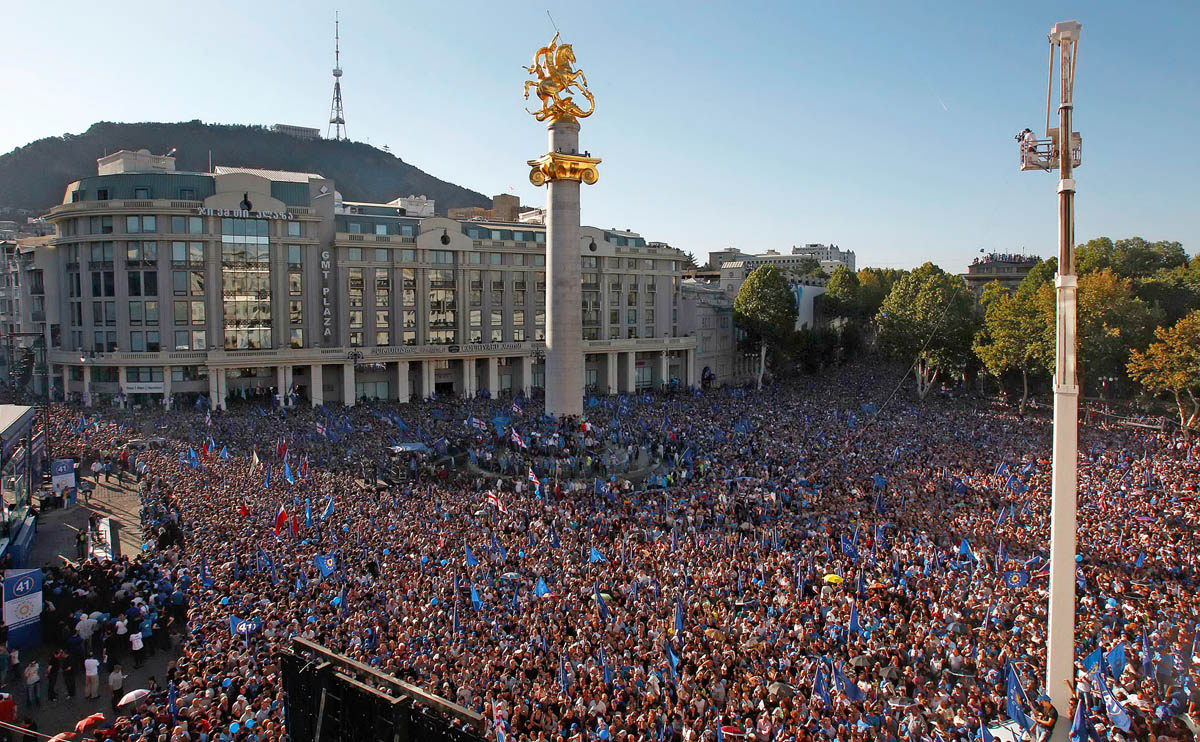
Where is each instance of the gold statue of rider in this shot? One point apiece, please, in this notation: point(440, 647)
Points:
point(554, 83)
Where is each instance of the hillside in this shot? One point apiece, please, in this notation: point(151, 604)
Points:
point(33, 177)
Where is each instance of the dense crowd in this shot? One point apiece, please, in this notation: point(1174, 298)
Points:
point(813, 568)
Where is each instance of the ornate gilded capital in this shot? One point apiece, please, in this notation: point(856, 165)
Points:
point(555, 166)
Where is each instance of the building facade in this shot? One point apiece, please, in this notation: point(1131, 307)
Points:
point(175, 287)
point(1007, 268)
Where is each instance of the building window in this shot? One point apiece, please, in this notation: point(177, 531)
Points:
point(100, 225)
point(381, 255)
point(296, 312)
point(354, 254)
point(182, 339)
point(137, 341)
point(245, 283)
point(294, 229)
point(141, 224)
point(380, 229)
point(153, 345)
point(381, 318)
point(187, 194)
point(295, 284)
point(356, 287)
point(382, 337)
point(356, 339)
point(297, 338)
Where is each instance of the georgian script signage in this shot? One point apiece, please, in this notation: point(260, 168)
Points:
point(326, 307)
point(244, 214)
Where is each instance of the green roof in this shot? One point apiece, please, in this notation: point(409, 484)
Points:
point(161, 185)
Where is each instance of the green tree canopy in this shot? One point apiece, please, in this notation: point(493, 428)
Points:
point(875, 285)
point(1013, 337)
point(930, 316)
point(1171, 366)
point(765, 310)
point(841, 293)
point(1133, 257)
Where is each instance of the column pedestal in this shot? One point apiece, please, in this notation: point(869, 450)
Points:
point(281, 384)
point(469, 378)
point(664, 369)
point(214, 388)
point(289, 381)
point(222, 387)
point(66, 372)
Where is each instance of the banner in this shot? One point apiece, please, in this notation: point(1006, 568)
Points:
point(62, 474)
point(23, 606)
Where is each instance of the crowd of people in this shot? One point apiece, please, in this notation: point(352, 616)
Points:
point(805, 562)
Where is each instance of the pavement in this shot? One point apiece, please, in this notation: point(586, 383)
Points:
point(55, 544)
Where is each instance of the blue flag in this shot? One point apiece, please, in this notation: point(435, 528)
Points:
point(225, 453)
point(820, 688)
point(343, 606)
point(307, 514)
point(1093, 659)
point(678, 616)
point(1014, 697)
point(476, 603)
point(541, 588)
point(454, 625)
point(964, 549)
point(1081, 728)
point(172, 701)
point(327, 563)
point(563, 683)
point(855, 627)
point(240, 627)
point(471, 560)
point(287, 472)
point(1116, 660)
point(672, 658)
point(843, 684)
point(596, 556)
point(1147, 656)
point(328, 510)
point(1116, 712)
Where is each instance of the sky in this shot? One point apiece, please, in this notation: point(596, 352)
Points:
point(882, 127)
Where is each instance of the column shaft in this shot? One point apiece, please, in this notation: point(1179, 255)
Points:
point(316, 385)
point(564, 323)
point(402, 385)
point(348, 390)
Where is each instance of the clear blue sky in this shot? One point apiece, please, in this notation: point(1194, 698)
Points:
point(881, 127)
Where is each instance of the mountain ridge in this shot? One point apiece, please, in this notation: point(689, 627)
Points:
point(34, 177)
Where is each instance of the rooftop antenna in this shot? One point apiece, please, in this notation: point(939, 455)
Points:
point(337, 119)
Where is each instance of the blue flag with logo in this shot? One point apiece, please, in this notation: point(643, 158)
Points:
point(328, 510)
point(327, 563)
point(1116, 660)
point(1013, 705)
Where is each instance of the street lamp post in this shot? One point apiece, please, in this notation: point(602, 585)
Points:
point(1062, 152)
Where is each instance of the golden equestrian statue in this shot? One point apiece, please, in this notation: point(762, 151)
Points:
point(555, 78)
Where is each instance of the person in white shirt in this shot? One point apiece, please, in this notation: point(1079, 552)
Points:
point(91, 677)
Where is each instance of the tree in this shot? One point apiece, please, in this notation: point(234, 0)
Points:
point(765, 310)
point(1128, 258)
point(929, 316)
point(841, 293)
point(1013, 336)
point(875, 285)
point(689, 262)
point(1171, 366)
point(1111, 322)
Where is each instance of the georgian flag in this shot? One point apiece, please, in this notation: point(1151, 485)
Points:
point(534, 478)
point(281, 519)
point(517, 439)
point(208, 418)
point(494, 499)
point(478, 424)
point(320, 429)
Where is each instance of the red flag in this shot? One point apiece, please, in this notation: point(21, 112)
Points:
point(243, 510)
point(295, 526)
point(281, 519)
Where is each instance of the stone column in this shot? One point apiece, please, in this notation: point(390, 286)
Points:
point(469, 378)
point(493, 377)
point(348, 384)
point(166, 387)
point(630, 372)
point(214, 387)
point(564, 323)
point(289, 380)
point(316, 385)
point(122, 382)
point(610, 373)
point(223, 387)
point(281, 384)
point(402, 387)
point(664, 368)
point(526, 376)
point(87, 385)
point(66, 372)
point(427, 376)
point(693, 373)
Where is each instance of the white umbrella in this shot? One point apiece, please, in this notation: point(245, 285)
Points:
point(133, 696)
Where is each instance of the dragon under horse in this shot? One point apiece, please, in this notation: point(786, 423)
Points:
point(555, 80)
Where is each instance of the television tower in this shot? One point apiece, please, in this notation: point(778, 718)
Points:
point(337, 119)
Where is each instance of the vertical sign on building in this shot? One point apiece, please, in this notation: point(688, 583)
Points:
point(23, 606)
point(326, 306)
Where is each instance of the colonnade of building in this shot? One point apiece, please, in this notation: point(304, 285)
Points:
point(615, 372)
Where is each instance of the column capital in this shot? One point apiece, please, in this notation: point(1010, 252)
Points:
point(558, 166)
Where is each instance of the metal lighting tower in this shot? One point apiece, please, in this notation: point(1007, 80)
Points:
point(1062, 152)
point(337, 120)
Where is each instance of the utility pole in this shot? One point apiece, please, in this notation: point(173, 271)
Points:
point(1062, 152)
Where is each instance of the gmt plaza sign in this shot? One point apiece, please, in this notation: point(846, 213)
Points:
point(245, 214)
